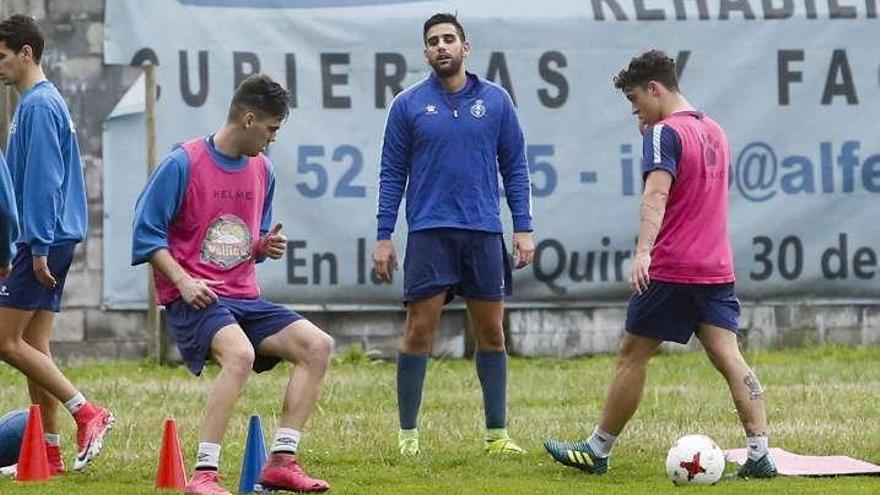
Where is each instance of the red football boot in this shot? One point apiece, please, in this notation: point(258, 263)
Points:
point(283, 472)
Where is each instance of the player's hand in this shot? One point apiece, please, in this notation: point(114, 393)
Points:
point(41, 271)
point(384, 259)
point(4, 270)
point(197, 292)
point(523, 248)
point(274, 243)
point(639, 279)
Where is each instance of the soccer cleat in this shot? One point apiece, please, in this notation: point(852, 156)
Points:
point(205, 482)
point(92, 425)
point(283, 472)
point(762, 468)
point(56, 463)
point(499, 442)
point(408, 442)
point(577, 455)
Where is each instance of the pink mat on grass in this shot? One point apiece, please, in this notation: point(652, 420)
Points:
point(790, 464)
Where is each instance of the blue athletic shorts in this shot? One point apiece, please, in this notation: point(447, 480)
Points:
point(22, 290)
point(193, 329)
point(468, 263)
point(668, 311)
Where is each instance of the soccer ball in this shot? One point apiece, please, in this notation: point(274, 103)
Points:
point(695, 460)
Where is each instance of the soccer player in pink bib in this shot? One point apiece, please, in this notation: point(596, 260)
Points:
point(203, 222)
point(682, 273)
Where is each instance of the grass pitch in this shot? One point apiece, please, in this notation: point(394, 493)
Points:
point(823, 400)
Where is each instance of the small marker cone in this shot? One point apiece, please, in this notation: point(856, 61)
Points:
point(33, 463)
point(254, 456)
point(170, 475)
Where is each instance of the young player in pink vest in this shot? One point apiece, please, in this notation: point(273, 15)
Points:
point(203, 222)
point(682, 274)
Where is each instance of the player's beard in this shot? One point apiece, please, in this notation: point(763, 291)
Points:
point(448, 71)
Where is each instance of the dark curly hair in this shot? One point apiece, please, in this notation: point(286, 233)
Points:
point(653, 65)
point(261, 95)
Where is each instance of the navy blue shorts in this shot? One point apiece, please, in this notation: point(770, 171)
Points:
point(468, 263)
point(22, 290)
point(194, 329)
point(668, 311)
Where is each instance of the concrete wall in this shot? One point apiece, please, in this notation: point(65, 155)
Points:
point(534, 333)
point(73, 61)
point(566, 333)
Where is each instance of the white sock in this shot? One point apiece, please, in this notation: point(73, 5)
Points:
point(53, 439)
point(208, 456)
point(601, 442)
point(286, 440)
point(757, 446)
point(76, 403)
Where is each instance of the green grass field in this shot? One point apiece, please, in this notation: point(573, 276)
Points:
point(822, 400)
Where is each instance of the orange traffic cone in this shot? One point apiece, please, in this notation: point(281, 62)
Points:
point(170, 475)
point(33, 463)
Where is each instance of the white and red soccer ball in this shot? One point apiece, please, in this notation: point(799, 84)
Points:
point(695, 460)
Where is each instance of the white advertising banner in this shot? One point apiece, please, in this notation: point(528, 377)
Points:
point(796, 84)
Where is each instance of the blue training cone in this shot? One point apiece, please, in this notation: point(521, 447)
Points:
point(254, 456)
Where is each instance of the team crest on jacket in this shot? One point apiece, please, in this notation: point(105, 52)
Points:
point(478, 109)
point(227, 243)
point(431, 110)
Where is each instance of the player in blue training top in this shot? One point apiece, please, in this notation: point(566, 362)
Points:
point(8, 219)
point(50, 198)
point(446, 140)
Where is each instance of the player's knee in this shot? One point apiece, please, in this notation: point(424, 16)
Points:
point(239, 362)
point(313, 351)
point(628, 359)
point(727, 362)
point(492, 338)
point(320, 350)
point(419, 332)
point(9, 346)
point(41, 345)
point(720, 364)
point(418, 342)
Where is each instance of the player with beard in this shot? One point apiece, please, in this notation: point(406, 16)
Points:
point(447, 138)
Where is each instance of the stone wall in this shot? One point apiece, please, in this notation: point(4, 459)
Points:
point(73, 61)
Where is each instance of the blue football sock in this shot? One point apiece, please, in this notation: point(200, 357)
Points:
point(492, 370)
point(410, 380)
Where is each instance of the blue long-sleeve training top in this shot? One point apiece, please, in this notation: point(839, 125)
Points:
point(8, 215)
point(163, 195)
point(446, 150)
point(46, 170)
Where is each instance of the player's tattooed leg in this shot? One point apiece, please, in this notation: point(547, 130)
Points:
point(756, 392)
